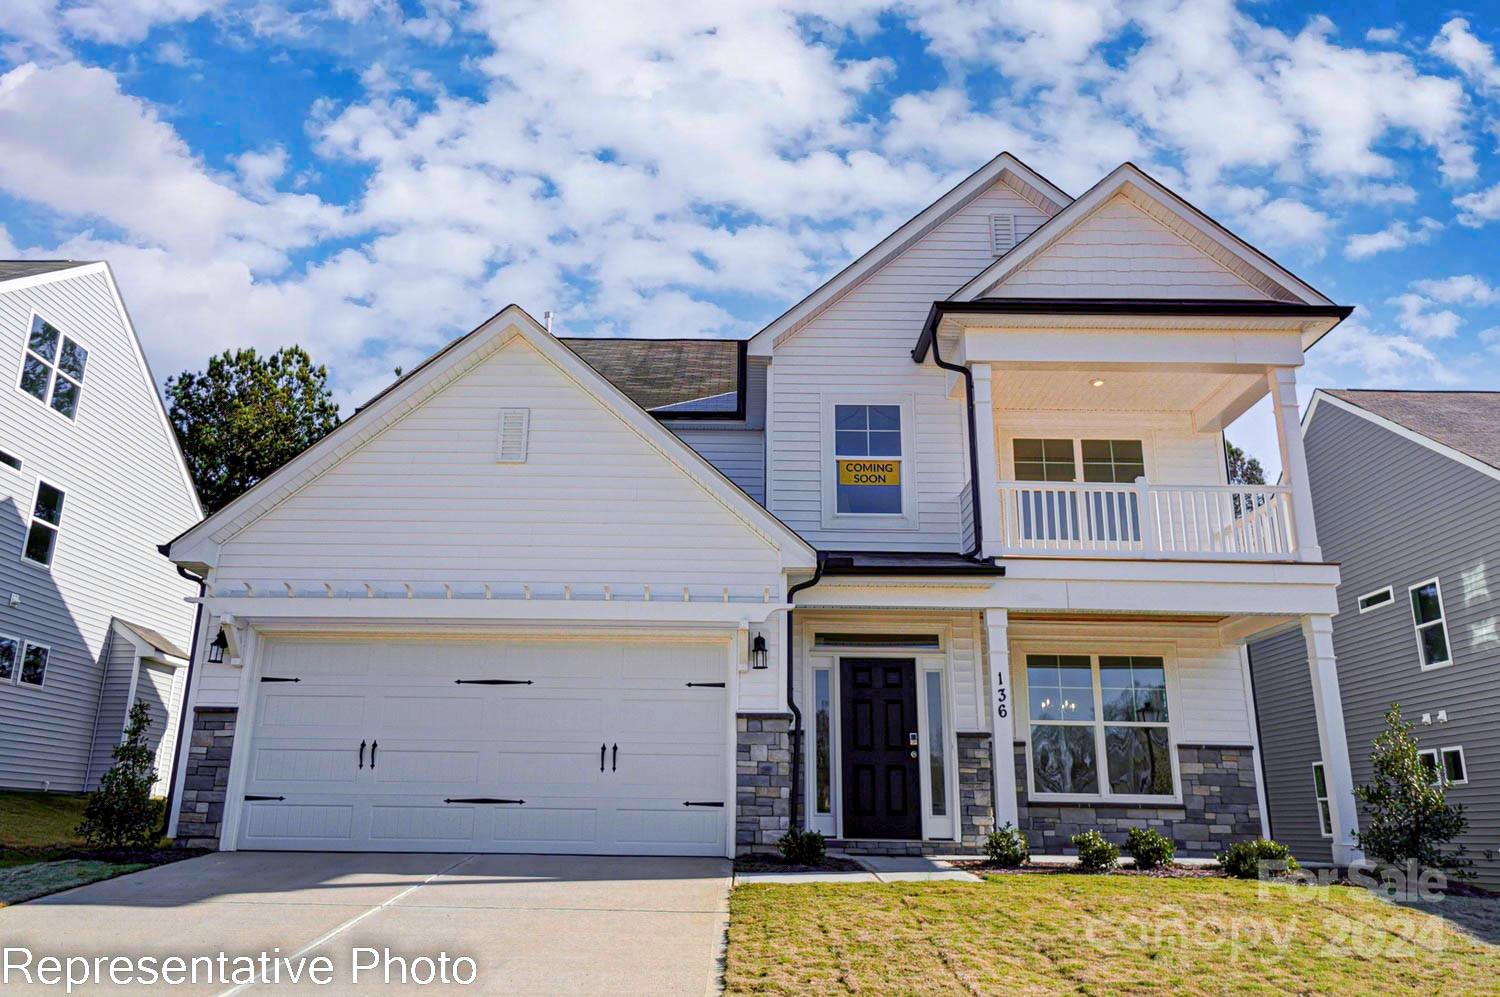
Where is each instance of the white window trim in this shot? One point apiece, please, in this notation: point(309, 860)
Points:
point(1437, 763)
point(1105, 648)
point(46, 403)
point(832, 824)
point(31, 518)
point(907, 518)
point(15, 675)
point(21, 664)
point(1443, 769)
point(1321, 801)
point(1008, 443)
point(1389, 591)
point(1442, 621)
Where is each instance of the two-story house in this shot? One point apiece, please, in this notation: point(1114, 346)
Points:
point(1419, 622)
point(92, 620)
point(948, 543)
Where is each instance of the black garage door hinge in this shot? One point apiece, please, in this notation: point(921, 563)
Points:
point(492, 681)
point(479, 799)
point(273, 678)
point(262, 799)
point(705, 685)
point(703, 803)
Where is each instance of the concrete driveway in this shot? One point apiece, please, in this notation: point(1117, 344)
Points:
point(530, 923)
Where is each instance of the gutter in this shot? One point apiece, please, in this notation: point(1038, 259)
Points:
point(790, 699)
point(917, 355)
point(1116, 306)
point(183, 727)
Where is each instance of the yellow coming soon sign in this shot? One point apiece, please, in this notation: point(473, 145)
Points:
point(869, 472)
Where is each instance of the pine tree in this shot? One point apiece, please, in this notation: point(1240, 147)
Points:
point(1406, 815)
point(121, 813)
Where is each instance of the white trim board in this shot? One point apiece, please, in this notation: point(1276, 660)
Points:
point(1321, 397)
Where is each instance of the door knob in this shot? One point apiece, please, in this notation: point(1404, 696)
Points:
point(914, 754)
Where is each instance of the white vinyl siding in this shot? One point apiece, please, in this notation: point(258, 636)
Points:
point(425, 502)
point(1119, 251)
point(126, 492)
point(862, 343)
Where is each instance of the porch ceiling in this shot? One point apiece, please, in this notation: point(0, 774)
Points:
point(1205, 393)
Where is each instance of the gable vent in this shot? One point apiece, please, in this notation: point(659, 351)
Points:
point(514, 423)
point(1002, 233)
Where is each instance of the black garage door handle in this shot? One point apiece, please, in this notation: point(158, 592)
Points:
point(373, 746)
point(601, 757)
point(614, 758)
point(361, 754)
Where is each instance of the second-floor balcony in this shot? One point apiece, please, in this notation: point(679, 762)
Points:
point(1143, 520)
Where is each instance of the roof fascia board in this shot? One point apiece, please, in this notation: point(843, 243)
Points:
point(1320, 398)
point(1117, 179)
point(763, 342)
point(32, 280)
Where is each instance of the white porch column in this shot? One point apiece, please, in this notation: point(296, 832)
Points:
point(1002, 717)
point(1332, 741)
point(988, 512)
point(1283, 385)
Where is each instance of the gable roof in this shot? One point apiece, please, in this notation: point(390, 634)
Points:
point(433, 375)
point(664, 376)
point(1462, 425)
point(1004, 167)
point(13, 269)
point(1166, 207)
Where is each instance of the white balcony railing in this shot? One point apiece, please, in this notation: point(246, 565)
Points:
point(1250, 522)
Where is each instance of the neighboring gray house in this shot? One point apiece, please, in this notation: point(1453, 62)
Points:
point(1406, 490)
point(92, 617)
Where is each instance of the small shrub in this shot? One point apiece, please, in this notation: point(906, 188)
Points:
point(1008, 847)
point(1243, 860)
point(121, 813)
point(1095, 852)
point(799, 847)
point(1150, 848)
point(1407, 816)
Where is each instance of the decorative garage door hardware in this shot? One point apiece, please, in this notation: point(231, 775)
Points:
point(492, 681)
point(705, 685)
point(361, 754)
point(373, 746)
point(614, 761)
point(250, 798)
point(273, 678)
point(703, 803)
point(480, 799)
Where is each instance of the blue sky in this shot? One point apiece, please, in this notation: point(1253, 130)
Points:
point(370, 177)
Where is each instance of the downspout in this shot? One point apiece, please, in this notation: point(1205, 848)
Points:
point(937, 357)
point(187, 690)
point(790, 701)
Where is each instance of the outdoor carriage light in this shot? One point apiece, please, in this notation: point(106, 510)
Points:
point(758, 654)
point(218, 647)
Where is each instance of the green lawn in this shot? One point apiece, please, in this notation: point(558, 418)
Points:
point(37, 879)
point(38, 820)
point(1093, 934)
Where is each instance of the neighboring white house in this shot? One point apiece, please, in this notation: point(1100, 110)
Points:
point(527, 599)
point(92, 618)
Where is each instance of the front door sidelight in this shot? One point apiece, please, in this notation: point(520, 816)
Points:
point(882, 788)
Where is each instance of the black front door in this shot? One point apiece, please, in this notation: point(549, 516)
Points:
point(878, 713)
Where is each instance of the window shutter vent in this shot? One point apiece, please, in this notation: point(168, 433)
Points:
point(514, 423)
point(1002, 233)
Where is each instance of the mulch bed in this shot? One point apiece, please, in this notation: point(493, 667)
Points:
point(775, 863)
point(120, 856)
point(980, 866)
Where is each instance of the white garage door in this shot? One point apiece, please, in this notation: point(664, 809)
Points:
point(602, 746)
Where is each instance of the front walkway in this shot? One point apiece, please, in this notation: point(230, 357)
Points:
point(532, 924)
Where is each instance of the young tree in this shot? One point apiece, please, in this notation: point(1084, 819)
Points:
point(1243, 470)
point(247, 415)
point(1406, 816)
point(120, 813)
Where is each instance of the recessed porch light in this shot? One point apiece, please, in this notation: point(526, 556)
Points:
point(1097, 382)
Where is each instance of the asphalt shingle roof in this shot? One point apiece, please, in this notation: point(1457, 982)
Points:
point(11, 269)
point(1467, 421)
point(657, 373)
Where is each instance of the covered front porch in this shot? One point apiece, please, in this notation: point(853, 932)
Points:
point(926, 725)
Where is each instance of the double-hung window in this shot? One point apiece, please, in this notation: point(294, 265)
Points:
point(34, 664)
point(1099, 725)
point(1432, 627)
point(10, 658)
point(52, 371)
point(867, 459)
point(46, 519)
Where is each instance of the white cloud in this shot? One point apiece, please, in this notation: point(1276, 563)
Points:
point(1415, 314)
point(44, 24)
point(1356, 356)
point(1458, 45)
point(1479, 208)
point(1462, 289)
point(1397, 235)
point(1383, 36)
point(1491, 339)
